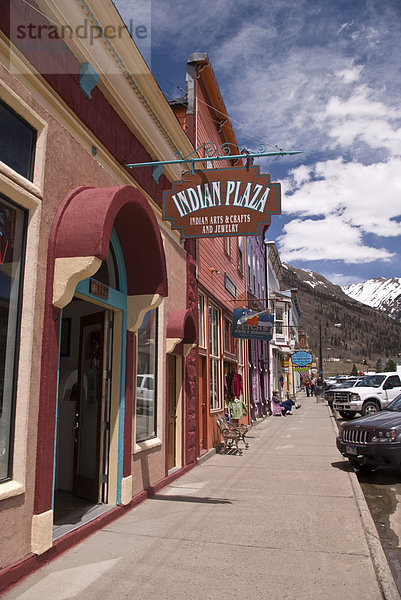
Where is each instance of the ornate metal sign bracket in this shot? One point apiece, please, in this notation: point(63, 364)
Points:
point(212, 153)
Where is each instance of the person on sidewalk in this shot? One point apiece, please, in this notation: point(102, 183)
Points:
point(307, 387)
point(286, 404)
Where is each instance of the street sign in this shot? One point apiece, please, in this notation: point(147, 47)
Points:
point(301, 358)
point(256, 327)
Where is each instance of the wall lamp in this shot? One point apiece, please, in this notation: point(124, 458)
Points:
point(213, 270)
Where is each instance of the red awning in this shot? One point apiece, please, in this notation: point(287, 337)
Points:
point(83, 225)
point(182, 325)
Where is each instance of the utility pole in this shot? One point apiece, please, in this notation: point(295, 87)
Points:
point(320, 351)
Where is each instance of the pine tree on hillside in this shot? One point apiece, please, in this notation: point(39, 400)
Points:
point(390, 366)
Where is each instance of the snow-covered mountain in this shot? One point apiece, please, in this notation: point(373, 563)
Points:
point(381, 293)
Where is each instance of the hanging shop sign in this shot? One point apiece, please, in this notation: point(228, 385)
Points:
point(259, 327)
point(222, 202)
point(301, 358)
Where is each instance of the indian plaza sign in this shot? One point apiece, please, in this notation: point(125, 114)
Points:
point(222, 202)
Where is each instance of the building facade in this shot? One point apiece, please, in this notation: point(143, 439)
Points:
point(97, 406)
point(219, 262)
point(258, 372)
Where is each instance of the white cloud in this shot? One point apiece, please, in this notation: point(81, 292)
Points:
point(341, 279)
point(312, 76)
point(365, 196)
point(326, 239)
point(360, 118)
point(350, 75)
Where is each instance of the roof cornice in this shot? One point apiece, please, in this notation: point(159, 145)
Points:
point(124, 78)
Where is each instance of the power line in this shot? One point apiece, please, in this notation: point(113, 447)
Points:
point(241, 125)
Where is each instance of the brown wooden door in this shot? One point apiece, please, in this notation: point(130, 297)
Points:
point(172, 412)
point(88, 414)
point(203, 412)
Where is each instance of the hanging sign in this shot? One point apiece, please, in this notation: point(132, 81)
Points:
point(301, 358)
point(222, 202)
point(259, 327)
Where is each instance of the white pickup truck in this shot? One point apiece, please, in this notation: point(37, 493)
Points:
point(371, 395)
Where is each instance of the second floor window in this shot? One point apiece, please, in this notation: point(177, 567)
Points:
point(17, 142)
point(279, 320)
point(227, 246)
point(240, 254)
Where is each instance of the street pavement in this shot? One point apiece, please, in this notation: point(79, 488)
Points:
point(286, 520)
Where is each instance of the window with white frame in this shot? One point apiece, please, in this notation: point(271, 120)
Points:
point(201, 321)
point(17, 142)
point(279, 319)
point(227, 245)
point(214, 358)
point(228, 339)
point(240, 357)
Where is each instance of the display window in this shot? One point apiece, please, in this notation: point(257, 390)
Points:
point(146, 389)
point(12, 254)
point(214, 358)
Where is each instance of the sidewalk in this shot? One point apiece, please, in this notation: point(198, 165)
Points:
point(286, 520)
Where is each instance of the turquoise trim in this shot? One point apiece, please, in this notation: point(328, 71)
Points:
point(88, 79)
point(122, 277)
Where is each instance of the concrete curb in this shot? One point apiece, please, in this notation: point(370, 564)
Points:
point(382, 569)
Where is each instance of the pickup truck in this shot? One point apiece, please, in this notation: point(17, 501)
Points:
point(372, 394)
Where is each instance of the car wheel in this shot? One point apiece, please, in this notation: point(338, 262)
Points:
point(369, 408)
point(347, 415)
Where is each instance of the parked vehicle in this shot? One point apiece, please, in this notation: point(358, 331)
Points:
point(374, 440)
point(329, 382)
point(373, 393)
point(145, 394)
point(331, 394)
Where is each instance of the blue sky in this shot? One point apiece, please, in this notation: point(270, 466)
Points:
point(320, 76)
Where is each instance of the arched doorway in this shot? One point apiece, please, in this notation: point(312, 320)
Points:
point(82, 252)
point(89, 395)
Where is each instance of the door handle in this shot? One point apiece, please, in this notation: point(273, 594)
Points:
point(76, 428)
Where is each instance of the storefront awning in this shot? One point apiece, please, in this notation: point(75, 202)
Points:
point(81, 238)
point(181, 327)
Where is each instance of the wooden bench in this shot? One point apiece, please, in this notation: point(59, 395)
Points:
point(232, 434)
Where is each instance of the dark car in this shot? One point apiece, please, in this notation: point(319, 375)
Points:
point(373, 441)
